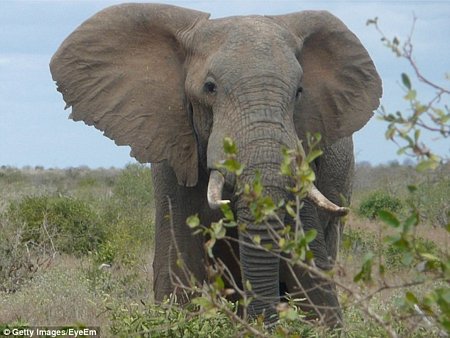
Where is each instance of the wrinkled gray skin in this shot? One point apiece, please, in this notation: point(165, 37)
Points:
point(171, 84)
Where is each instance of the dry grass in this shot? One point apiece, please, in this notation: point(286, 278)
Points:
point(59, 295)
point(435, 234)
point(72, 291)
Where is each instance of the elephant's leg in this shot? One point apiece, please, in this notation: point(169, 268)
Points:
point(334, 172)
point(319, 293)
point(173, 238)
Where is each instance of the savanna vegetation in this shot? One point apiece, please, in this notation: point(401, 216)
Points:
point(76, 249)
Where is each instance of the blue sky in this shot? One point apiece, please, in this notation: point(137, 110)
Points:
point(34, 129)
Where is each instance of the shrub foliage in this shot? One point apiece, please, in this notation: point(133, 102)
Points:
point(377, 201)
point(67, 224)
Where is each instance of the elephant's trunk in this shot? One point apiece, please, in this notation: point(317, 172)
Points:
point(260, 268)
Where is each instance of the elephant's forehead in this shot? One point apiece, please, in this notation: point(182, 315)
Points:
point(250, 32)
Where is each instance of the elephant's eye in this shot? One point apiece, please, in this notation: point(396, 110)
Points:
point(210, 87)
point(299, 91)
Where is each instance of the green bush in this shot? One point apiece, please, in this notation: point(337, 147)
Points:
point(128, 211)
point(124, 245)
point(129, 214)
point(431, 197)
point(170, 321)
point(377, 201)
point(67, 224)
point(134, 187)
point(395, 258)
point(357, 242)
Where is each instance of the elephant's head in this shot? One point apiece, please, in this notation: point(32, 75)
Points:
point(171, 84)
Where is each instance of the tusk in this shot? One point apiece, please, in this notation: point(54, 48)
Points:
point(215, 187)
point(321, 201)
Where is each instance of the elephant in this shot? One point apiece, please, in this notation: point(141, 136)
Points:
point(172, 83)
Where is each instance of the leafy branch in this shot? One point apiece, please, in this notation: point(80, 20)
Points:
point(433, 115)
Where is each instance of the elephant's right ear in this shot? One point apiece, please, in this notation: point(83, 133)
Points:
point(122, 71)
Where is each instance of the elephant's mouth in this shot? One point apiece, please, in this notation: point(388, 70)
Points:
point(217, 180)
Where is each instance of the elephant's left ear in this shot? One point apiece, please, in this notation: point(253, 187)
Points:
point(341, 87)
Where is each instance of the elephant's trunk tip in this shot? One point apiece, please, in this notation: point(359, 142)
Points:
point(321, 201)
point(215, 187)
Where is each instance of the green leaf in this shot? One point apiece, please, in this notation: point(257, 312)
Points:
point(410, 95)
point(286, 168)
point(439, 112)
point(428, 256)
point(390, 133)
point(412, 220)
point(427, 165)
point(220, 285)
point(248, 285)
point(365, 274)
point(313, 154)
point(420, 108)
point(193, 221)
point(257, 239)
point(291, 211)
point(227, 212)
point(218, 229)
point(232, 165)
point(389, 218)
point(209, 246)
point(229, 146)
point(257, 184)
point(309, 256)
point(411, 298)
point(412, 188)
point(309, 176)
point(317, 137)
point(268, 246)
point(403, 244)
point(310, 235)
point(202, 301)
point(416, 135)
point(406, 81)
point(180, 263)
